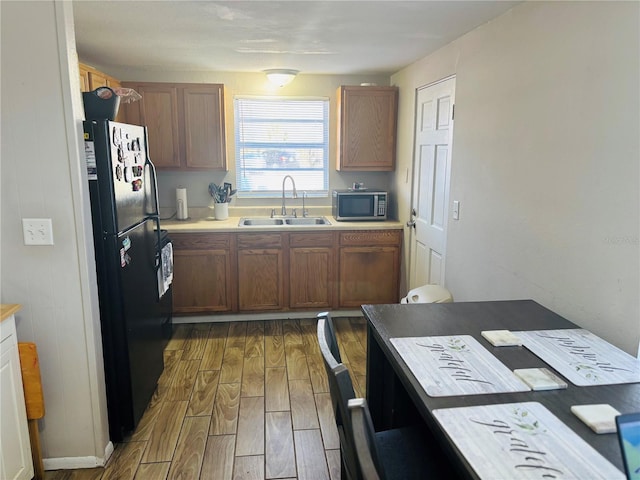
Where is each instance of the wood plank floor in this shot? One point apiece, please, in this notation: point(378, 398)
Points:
point(239, 400)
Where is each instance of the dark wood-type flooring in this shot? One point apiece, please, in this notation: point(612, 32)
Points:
point(239, 400)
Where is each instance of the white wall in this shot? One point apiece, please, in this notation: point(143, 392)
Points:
point(545, 161)
point(42, 176)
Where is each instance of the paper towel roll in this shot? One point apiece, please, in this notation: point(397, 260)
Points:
point(181, 203)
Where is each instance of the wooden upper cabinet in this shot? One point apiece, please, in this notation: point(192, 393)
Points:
point(185, 124)
point(90, 79)
point(84, 78)
point(367, 119)
point(204, 136)
point(113, 83)
point(158, 111)
point(96, 80)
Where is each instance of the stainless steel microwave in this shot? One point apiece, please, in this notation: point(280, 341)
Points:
point(366, 204)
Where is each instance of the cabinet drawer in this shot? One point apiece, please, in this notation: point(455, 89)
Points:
point(200, 241)
point(259, 240)
point(371, 237)
point(311, 239)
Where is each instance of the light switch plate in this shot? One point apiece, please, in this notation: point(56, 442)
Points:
point(456, 210)
point(37, 231)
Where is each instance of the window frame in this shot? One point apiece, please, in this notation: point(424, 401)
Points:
point(295, 172)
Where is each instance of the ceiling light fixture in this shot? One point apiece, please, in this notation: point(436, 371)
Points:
point(280, 76)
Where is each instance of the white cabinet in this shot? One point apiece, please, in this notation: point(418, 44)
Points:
point(15, 449)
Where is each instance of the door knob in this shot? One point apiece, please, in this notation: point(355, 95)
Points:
point(412, 222)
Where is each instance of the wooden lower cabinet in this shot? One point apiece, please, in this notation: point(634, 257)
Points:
point(260, 272)
point(203, 273)
point(271, 271)
point(311, 270)
point(369, 268)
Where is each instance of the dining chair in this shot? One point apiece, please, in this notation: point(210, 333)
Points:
point(340, 391)
point(419, 457)
point(327, 333)
point(405, 453)
point(400, 454)
point(364, 439)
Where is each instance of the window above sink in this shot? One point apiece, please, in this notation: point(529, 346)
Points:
point(281, 136)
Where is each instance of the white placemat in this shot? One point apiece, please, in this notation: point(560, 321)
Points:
point(456, 365)
point(523, 441)
point(582, 357)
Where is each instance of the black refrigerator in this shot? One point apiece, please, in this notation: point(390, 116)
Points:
point(135, 302)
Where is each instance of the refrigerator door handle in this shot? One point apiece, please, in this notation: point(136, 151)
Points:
point(127, 230)
point(158, 255)
point(153, 177)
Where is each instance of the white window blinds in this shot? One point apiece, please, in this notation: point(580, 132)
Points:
point(278, 136)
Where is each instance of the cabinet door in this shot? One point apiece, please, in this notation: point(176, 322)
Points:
point(260, 279)
point(368, 275)
point(310, 277)
point(203, 272)
point(204, 137)
point(159, 112)
point(261, 283)
point(84, 78)
point(367, 128)
point(202, 281)
point(16, 450)
point(112, 83)
point(97, 80)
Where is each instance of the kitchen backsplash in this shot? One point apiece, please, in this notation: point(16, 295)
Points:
point(197, 184)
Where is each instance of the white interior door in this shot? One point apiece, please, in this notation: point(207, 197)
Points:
point(431, 172)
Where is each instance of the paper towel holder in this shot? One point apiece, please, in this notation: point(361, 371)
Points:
point(182, 210)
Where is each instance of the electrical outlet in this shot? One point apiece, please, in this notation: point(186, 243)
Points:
point(37, 231)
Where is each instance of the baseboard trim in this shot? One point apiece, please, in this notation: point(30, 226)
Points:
point(72, 463)
point(243, 317)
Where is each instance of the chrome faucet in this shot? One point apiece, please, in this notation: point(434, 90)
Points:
point(305, 212)
point(295, 193)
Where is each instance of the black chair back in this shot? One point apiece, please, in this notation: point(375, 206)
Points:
point(364, 441)
point(341, 391)
point(327, 334)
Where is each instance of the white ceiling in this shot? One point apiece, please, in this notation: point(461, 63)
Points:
point(322, 37)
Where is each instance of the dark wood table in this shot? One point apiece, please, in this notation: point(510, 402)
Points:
point(396, 398)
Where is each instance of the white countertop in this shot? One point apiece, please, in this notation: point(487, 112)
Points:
point(231, 225)
point(200, 221)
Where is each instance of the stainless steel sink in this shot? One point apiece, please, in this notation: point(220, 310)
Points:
point(307, 221)
point(260, 222)
point(270, 222)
